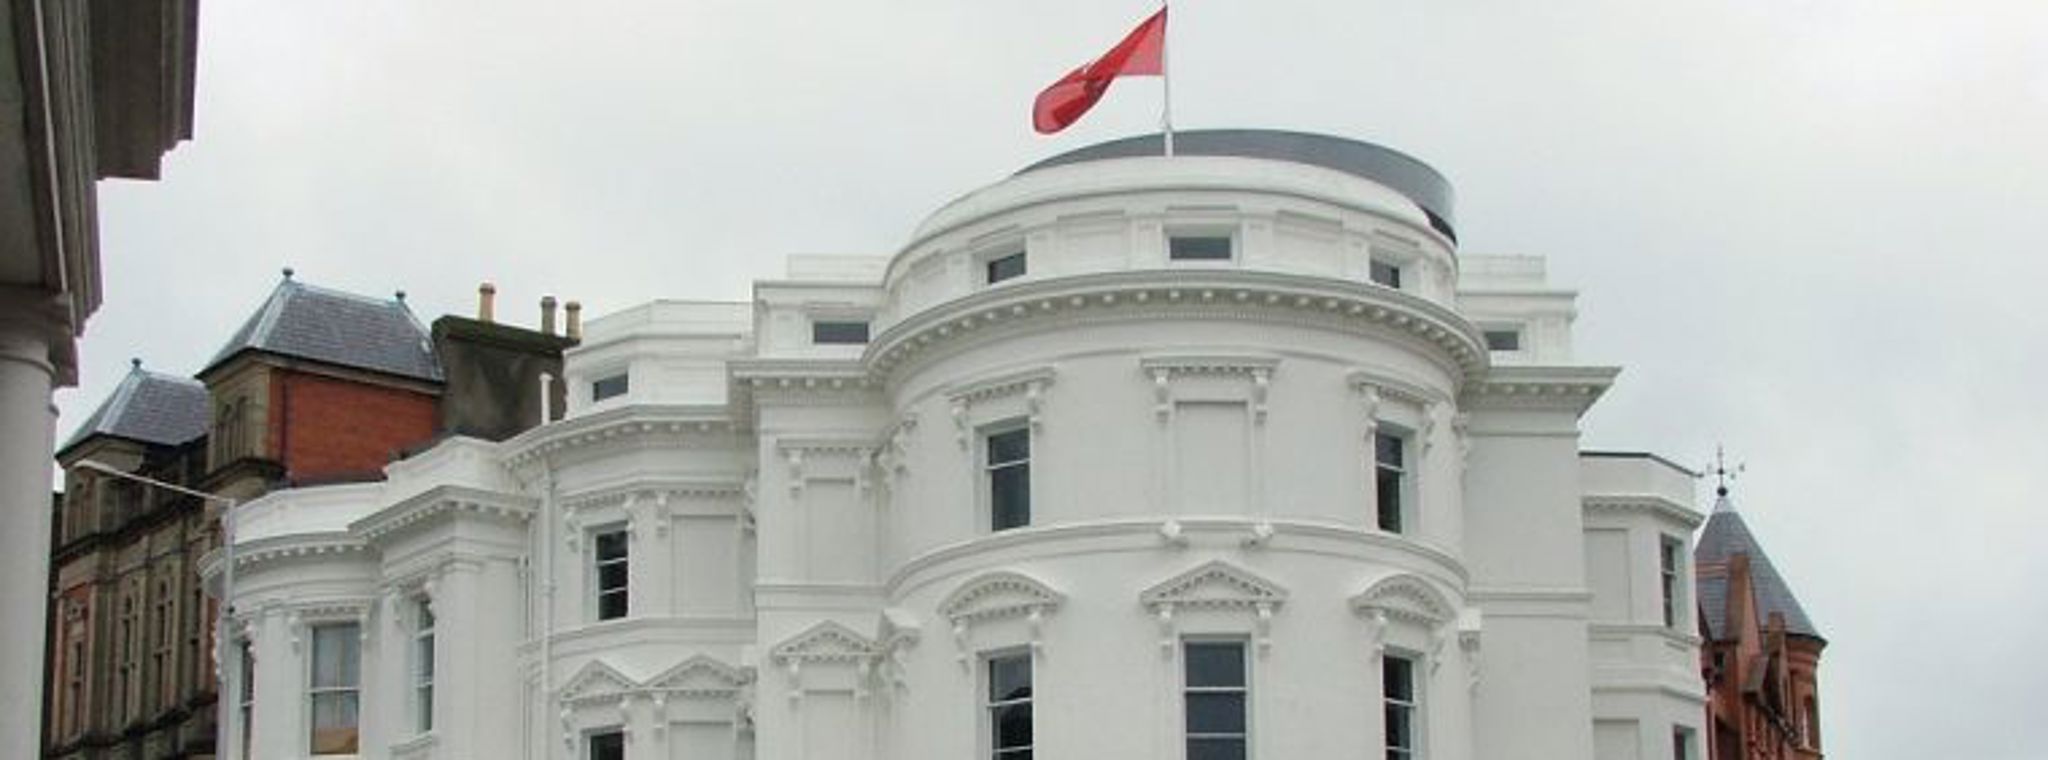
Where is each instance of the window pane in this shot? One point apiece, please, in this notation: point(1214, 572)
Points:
point(1387, 489)
point(1397, 677)
point(1387, 450)
point(1009, 678)
point(1400, 728)
point(611, 545)
point(1010, 497)
point(1013, 726)
point(1014, 754)
point(1215, 664)
point(1198, 247)
point(611, 576)
point(334, 724)
point(1009, 446)
point(608, 746)
point(608, 387)
point(1215, 749)
point(335, 656)
point(1216, 713)
point(839, 332)
point(1004, 268)
point(1503, 340)
point(426, 662)
point(611, 606)
point(1386, 274)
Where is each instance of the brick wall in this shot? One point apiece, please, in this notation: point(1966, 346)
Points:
point(325, 428)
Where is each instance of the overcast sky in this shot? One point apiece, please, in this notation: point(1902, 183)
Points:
point(1806, 228)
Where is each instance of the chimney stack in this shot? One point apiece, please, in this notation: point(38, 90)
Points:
point(547, 315)
point(573, 320)
point(486, 294)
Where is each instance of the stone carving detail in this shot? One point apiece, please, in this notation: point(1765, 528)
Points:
point(996, 596)
point(1217, 585)
point(1030, 383)
point(824, 643)
point(1404, 598)
point(596, 683)
point(1258, 370)
point(699, 677)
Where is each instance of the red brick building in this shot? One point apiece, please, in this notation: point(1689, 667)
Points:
point(1761, 655)
point(317, 386)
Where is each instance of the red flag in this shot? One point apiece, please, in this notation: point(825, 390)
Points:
point(1142, 53)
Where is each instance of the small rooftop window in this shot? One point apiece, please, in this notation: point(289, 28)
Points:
point(1198, 247)
point(1386, 273)
point(1005, 267)
point(1503, 339)
point(839, 332)
point(608, 387)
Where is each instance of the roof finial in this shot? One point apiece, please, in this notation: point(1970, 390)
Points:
point(1721, 472)
point(135, 362)
point(400, 295)
point(288, 273)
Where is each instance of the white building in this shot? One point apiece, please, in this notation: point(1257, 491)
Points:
point(1124, 456)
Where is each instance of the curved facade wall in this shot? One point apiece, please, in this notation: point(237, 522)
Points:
point(1095, 427)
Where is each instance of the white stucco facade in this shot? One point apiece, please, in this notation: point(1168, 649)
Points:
point(821, 547)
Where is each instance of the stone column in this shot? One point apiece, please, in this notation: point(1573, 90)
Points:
point(27, 427)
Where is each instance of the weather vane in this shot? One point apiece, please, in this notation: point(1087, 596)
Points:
point(1723, 475)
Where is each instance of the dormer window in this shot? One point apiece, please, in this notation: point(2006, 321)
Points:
point(1386, 273)
point(1199, 247)
point(1503, 339)
point(839, 332)
point(1004, 267)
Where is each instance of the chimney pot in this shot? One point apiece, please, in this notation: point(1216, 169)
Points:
point(547, 314)
point(486, 296)
point(572, 320)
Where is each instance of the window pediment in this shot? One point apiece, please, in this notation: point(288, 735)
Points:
point(824, 642)
point(1404, 598)
point(1218, 584)
point(700, 676)
point(999, 595)
point(596, 682)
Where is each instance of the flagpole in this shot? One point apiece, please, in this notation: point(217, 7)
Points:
point(1166, 79)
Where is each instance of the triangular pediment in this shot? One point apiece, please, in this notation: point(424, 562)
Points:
point(596, 680)
point(825, 642)
point(999, 595)
point(1405, 597)
point(1216, 584)
point(700, 676)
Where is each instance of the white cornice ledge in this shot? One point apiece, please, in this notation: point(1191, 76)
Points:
point(1561, 388)
point(442, 502)
point(1652, 504)
point(1229, 294)
point(633, 422)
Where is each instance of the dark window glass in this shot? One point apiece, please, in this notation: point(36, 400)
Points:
point(1503, 340)
point(608, 387)
point(1669, 561)
point(1386, 274)
point(1009, 479)
point(1214, 700)
point(1397, 684)
point(1198, 247)
point(1005, 267)
point(1389, 472)
point(1680, 748)
point(1009, 706)
point(839, 332)
point(610, 745)
point(611, 564)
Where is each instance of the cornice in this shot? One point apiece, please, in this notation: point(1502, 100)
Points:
point(1650, 504)
point(627, 425)
point(442, 502)
point(715, 488)
point(1549, 388)
point(1450, 339)
point(295, 546)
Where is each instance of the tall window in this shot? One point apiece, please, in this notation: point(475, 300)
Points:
point(1005, 267)
point(74, 687)
point(161, 678)
point(1681, 743)
point(609, 745)
point(1215, 699)
point(1386, 273)
point(1009, 478)
point(1397, 687)
point(1668, 561)
point(245, 697)
point(1009, 707)
point(124, 663)
point(336, 688)
point(609, 565)
point(423, 666)
point(1390, 478)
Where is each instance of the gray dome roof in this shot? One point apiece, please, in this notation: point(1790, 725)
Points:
point(148, 408)
point(1396, 170)
point(344, 329)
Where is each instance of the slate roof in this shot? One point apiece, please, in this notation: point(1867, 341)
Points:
point(1418, 181)
point(344, 329)
point(1725, 536)
point(150, 408)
